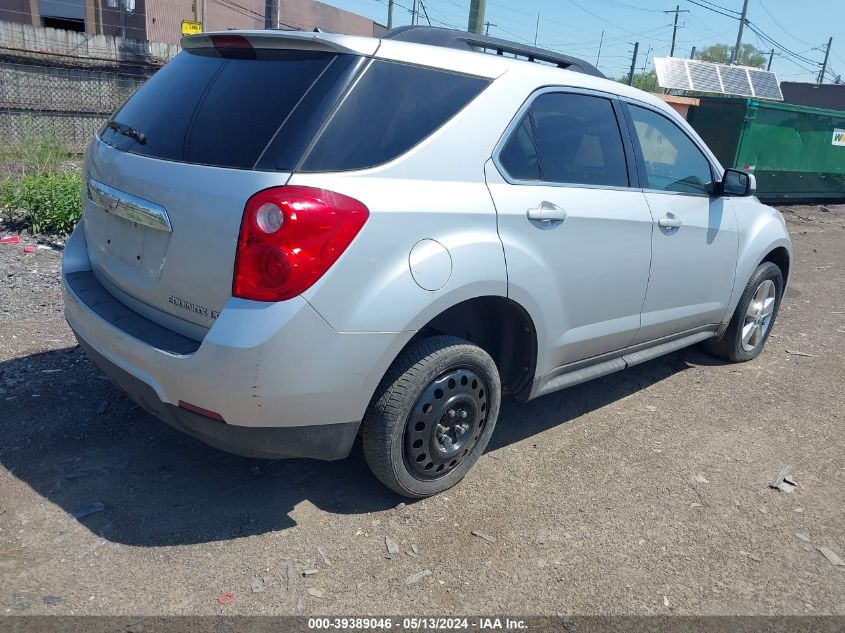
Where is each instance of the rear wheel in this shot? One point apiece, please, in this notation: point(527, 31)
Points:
point(432, 416)
point(754, 317)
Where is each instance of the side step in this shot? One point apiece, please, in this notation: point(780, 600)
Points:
point(576, 377)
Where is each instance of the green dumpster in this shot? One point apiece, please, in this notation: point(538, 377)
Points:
point(796, 152)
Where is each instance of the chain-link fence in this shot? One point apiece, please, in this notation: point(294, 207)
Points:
point(67, 102)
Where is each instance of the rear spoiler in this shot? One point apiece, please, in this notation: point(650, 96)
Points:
point(298, 40)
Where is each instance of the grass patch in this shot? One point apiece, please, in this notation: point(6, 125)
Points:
point(50, 203)
point(41, 185)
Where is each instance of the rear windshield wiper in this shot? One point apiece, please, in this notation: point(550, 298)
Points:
point(136, 135)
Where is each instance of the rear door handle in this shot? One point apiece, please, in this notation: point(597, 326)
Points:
point(669, 222)
point(546, 212)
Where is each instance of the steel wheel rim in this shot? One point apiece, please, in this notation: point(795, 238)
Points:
point(446, 423)
point(758, 317)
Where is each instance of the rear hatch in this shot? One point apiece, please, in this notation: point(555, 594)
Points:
point(167, 179)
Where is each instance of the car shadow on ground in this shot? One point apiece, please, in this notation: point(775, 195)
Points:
point(79, 442)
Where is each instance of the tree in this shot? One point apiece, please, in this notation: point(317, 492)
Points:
point(643, 81)
point(721, 54)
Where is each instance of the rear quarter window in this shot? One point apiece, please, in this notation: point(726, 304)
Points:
point(391, 109)
point(212, 108)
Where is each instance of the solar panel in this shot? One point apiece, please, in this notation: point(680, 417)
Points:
point(735, 81)
point(765, 85)
point(705, 77)
point(688, 74)
point(672, 73)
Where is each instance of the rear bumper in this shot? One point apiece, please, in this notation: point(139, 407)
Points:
point(319, 441)
point(284, 381)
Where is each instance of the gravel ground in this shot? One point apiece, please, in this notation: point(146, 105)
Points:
point(645, 492)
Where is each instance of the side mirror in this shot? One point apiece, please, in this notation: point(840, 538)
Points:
point(738, 183)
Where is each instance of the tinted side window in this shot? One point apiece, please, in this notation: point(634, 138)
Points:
point(392, 108)
point(519, 155)
point(578, 140)
point(672, 160)
point(204, 107)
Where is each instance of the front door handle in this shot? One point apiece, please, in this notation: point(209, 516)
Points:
point(669, 222)
point(547, 212)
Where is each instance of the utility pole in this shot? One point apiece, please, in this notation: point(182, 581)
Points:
point(537, 28)
point(633, 64)
point(645, 63)
point(477, 9)
point(487, 26)
point(204, 14)
point(389, 14)
point(771, 57)
point(826, 55)
point(271, 14)
point(692, 53)
point(735, 54)
point(601, 41)
point(676, 11)
point(425, 13)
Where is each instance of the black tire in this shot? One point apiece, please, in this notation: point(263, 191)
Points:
point(406, 414)
point(730, 345)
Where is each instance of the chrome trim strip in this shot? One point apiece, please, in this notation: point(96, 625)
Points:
point(129, 207)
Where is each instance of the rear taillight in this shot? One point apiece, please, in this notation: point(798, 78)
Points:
point(290, 236)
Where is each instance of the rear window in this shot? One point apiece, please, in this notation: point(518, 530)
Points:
point(211, 108)
point(393, 107)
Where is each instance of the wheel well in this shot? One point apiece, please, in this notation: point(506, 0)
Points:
point(500, 327)
point(780, 258)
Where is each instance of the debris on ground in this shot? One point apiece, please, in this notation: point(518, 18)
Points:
point(28, 249)
point(323, 556)
point(88, 509)
point(803, 536)
point(701, 479)
point(10, 239)
point(22, 604)
point(793, 352)
point(414, 549)
point(227, 597)
point(832, 558)
point(315, 592)
point(392, 546)
point(484, 536)
point(259, 583)
point(291, 576)
point(541, 537)
point(415, 578)
point(51, 600)
point(784, 481)
point(310, 572)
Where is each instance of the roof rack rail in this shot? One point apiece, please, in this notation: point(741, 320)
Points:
point(462, 40)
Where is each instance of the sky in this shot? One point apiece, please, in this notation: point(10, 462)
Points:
point(800, 29)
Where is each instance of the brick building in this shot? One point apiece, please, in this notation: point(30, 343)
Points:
point(160, 20)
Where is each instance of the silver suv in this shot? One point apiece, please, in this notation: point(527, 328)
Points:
point(291, 239)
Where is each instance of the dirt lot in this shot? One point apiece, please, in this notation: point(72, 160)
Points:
point(644, 492)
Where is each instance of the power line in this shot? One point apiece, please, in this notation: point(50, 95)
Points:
point(598, 17)
point(779, 25)
point(704, 6)
point(630, 7)
point(719, 6)
point(777, 44)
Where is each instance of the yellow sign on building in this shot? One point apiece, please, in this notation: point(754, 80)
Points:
point(189, 27)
